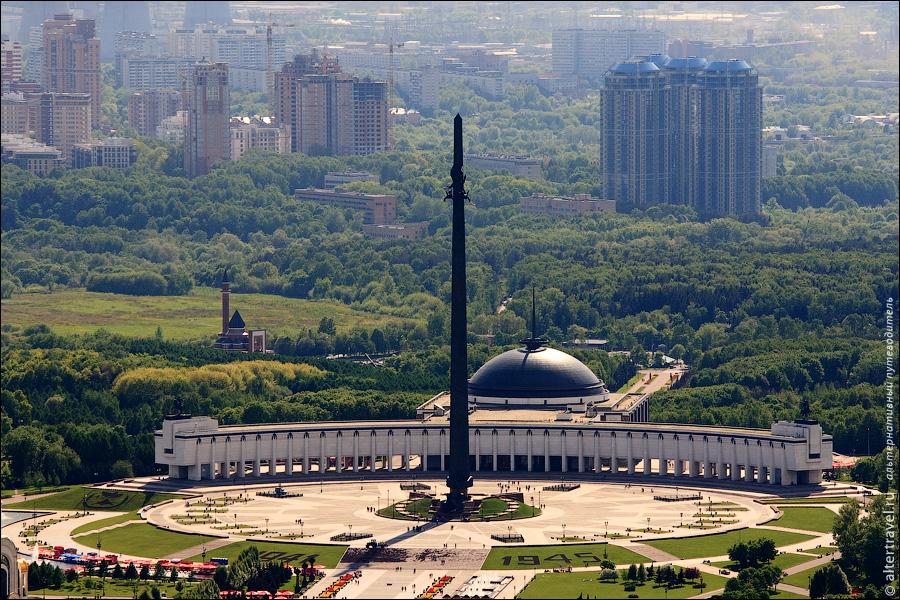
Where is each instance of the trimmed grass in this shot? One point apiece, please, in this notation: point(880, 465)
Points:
point(94, 525)
point(182, 318)
point(114, 588)
point(800, 579)
point(828, 500)
point(142, 539)
point(585, 584)
point(821, 550)
point(4, 494)
point(624, 389)
point(97, 500)
point(782, 561)
point(551, 557)
point(718, 544)
point(807, 518)
point(293, 554)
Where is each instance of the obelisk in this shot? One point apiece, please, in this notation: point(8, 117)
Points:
point(460, 479)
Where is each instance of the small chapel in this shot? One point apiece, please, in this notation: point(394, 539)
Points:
point(234, 336)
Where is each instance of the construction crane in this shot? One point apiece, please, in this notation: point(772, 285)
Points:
point(391, 46)
point(270, 78)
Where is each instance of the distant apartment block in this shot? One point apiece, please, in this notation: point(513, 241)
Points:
point(171, 129)
point(770, 161)
point(14, 114)
point(257, 132)
point(590, 53)
point(398, 231)
point(377, 209)
point(147, 109)
point(207, 136)
point(10, 64)
point(133, 45)
point(72, 60)
point(114, 152)
point(517, 164)
point(30, 155)
point(335, 179)
point(556, 206)
point(286, 84)
point(147, 72)
point(63, 120)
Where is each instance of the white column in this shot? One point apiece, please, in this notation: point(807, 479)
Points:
point(630, 442)
point(407, 449)
point(356, 452)
point(372, 453)
point(663, 464)
point(289, 463)
point(199, 463)
point(735, 467)
point(478, 452)
point(390, 453)
point(441, 444)
point(580, 452)
point(614, 454)
point(339, 453)
point(273, 464)
point(257, 459)
point(546, 453)
point(565, 455)
point(528, 442)
point(494, 450)
point(597, 465)
point(323, 459)
point(647, 466)
point(305, 454)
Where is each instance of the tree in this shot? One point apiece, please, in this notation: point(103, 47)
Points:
point(642, 573)
point(739, 553)
point(830, 580)
point(692, 573)
point(121, 469)
point(118, 572)
point(159, 573)
point(609, 574)
point(145, 573)
point(632, 572)
point(131, 573)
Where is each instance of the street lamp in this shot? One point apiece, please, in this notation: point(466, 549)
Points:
point(267, 524)
point(532, 506)
point(351, 531)
point(648, 524)
point(606, 533)
point(564, 532)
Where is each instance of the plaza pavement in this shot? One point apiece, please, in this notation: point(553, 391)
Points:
point(332, 507)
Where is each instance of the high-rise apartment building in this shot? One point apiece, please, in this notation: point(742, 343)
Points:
point(591, 52)
point(10, 64)
point(147, 109)
point(257, 132)
point(13, 114)
point(72, 60)
point(63, 120)
point(635, 142)
point(730, 161)
point(207, 138)
point(683, 131)
point(133, 44)
point(285, 84)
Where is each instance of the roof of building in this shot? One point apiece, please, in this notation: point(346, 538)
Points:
point(236, 321)
point(732, 65)
point(656, 58)
point(691, 62)
point(535, 373)
point(634, 66)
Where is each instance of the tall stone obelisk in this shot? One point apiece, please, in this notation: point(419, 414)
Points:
point(460, 478)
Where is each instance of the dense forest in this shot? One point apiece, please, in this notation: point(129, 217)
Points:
point(773, 313)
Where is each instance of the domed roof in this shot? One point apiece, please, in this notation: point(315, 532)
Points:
point(691, 62)
point(634, 66)
point(656, 58)
point(732, 65)
point(535, 373)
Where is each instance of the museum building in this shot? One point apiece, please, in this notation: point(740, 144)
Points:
point(531, 410)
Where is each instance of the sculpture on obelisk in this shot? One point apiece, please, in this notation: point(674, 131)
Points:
point(460, 479)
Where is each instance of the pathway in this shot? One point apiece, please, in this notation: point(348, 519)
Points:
point(198, 549)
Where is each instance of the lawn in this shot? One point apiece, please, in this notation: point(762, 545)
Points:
point(93, 525)
point(4, 494)
point(718, 544)
point(113, 588)
point(554, 556)
point(97, 500)
point(584, 584)
point(143, 539)
point(828, 500)
point(293, 554)
point(624, 389)
point(782, 561)
point(182, 318)
point(800, 579)
point(807, 518)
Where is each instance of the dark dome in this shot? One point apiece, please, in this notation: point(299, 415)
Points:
point(635, 66)
point(534, 373)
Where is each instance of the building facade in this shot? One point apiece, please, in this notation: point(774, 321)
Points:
point(147, 109)
point(32, 156)
point(555, 206)
point(63, 120)
point(257, 132)
point(730, 164)
point(377, 209)
point(72, 60)
point(286, 82)
point(682, 131)
point(790, 453)
point(335, 179)
point(590, 53)
point(14, 114)
point(517, 164)
point(113, 152)
point(397, 231)
point(207, 137)
point(149, 72)
point(10, 64)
